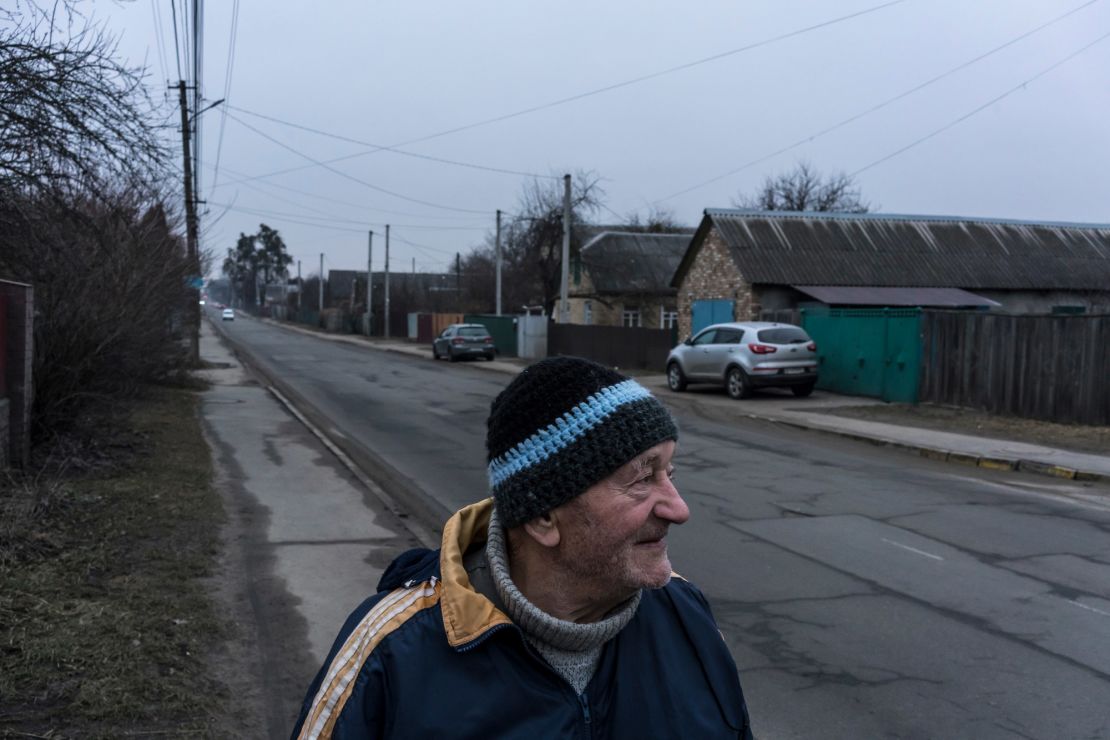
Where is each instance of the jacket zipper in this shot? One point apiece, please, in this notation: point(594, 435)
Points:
point(585, 712)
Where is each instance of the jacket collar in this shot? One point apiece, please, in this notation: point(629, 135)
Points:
point(467, 614)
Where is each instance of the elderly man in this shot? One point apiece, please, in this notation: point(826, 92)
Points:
point(551, 610)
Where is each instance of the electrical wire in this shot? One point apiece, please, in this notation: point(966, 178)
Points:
point(231, 45)
point(984, 106)
point(380, 147)
point(347, 176)
point(652, 75)
point(248, 181)
point(159, 34)
point(877, 106)
point(600, 90)
point(176, 44)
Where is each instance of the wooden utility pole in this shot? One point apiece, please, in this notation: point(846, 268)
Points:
point(300, 288)
point(458, 282)
point(190, 231)
point(564, 305)
point(385, 317)
point(497, 256)
point(369, 281)
point(321, 288)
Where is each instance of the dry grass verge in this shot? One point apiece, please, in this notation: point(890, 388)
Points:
point(105, 618)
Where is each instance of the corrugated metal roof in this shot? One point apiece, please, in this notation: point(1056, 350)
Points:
point(914, 251)
point(851, 295)
point(628, 262)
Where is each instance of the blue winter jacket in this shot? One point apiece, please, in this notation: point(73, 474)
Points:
point(430, 657)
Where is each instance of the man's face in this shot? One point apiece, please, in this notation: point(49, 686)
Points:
point(613, 535)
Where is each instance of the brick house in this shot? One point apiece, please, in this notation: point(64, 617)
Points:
point(623, 278)
point(741, 263)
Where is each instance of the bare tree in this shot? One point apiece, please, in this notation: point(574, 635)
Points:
point(70, 111)
point(657, 220)
point(804, 189)
point(533, 242)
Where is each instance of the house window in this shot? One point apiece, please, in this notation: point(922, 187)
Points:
point(1069, 310)
point(630, 316)
point(588, 313)
point(668, 317)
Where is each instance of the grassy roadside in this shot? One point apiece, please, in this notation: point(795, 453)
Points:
point(105, 617)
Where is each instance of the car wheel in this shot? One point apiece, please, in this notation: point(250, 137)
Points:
point(489, 357)
point(435, 352)
point(801, 391)
point(676, 380)
point(451, 356)
point(737, 384)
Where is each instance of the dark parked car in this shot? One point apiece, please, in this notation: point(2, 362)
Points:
point(464, 340)
point(745, 356)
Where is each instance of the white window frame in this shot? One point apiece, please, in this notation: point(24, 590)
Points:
point(668, 317)
point(631, 317)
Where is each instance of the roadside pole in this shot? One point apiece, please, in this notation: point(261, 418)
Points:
point(190, 229)
point(497, 257)
point(321, 318)
point(564, 306)
point(385, 317)
point(300, 288)
point(369, 280)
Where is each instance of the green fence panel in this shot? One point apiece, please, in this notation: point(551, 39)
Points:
point(867, 352)
point(501, 328)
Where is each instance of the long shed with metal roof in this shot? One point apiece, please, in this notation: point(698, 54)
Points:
point(773, 260)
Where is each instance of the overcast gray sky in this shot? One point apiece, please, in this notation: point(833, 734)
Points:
point(390, 73)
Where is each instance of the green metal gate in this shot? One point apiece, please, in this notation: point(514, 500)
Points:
point(501, 328)
point(867, 352)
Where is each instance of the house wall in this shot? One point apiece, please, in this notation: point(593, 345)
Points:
point(607, 310)
point(713, 275)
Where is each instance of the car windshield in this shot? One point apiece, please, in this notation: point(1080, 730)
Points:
point(783, 335)
point(473, 331)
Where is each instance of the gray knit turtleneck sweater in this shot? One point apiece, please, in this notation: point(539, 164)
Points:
point(572, 649)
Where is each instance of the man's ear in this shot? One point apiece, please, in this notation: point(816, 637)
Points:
point(543, 529)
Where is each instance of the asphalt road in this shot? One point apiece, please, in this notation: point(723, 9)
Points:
point(864, 592)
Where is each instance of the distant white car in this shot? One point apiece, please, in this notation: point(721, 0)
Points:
point(228, 315)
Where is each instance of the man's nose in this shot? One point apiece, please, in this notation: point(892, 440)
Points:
point(671, 507)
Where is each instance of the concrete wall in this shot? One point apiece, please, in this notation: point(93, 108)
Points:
point(19, 301)
point(713, 275)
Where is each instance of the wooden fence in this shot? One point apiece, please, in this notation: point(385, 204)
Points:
point(615, 346)
point(1054, 368)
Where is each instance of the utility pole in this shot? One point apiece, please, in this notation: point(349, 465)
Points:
point(190, 228)
point(385, 318)
point(300, 286)
point(564, 306)
point(369, 279)
point(458, 282)
point(321, 287)
point(413, 265)
point(497, 257)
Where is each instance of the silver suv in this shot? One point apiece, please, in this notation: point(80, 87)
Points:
point(745, 356)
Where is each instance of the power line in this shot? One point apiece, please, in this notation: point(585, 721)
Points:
point(247, 180)
point(653, 75)
point(176, 44)
point(600, 90)
point(380, 147)
point(878, 106)
point(347, 176)
point(984, 106)
point(159, 34)
point(232, 43)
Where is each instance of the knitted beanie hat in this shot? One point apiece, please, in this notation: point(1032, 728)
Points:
point(562, 425)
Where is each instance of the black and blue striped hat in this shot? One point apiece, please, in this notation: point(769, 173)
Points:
point(561, 426)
